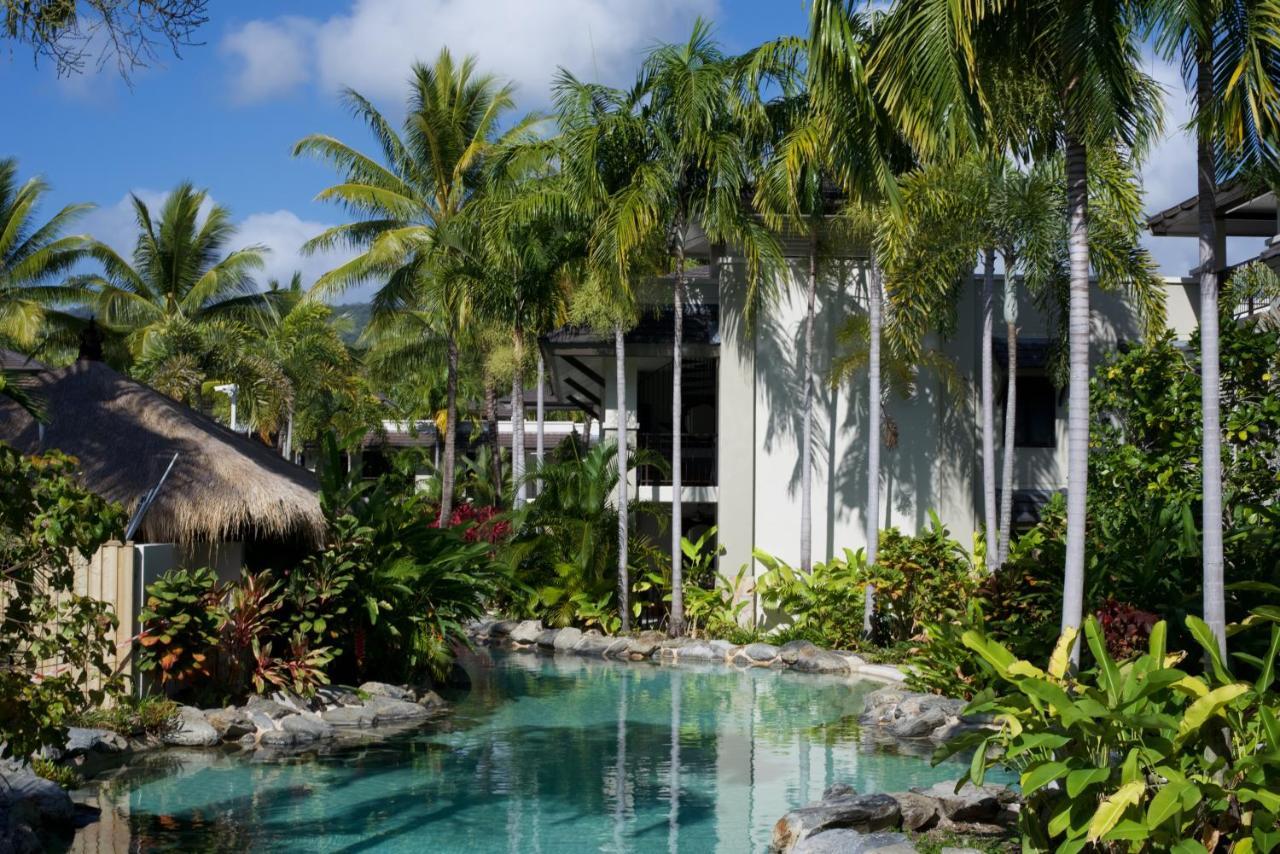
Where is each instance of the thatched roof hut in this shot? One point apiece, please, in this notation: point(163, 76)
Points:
point(223, 487)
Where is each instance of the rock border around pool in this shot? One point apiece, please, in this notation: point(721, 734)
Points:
point(799, 656)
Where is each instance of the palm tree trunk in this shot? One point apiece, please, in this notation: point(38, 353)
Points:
point(495, 446)
point(539, 452)
point(676, 628)
point(624, 582)
point(288, 437)
point(806, 410)
point(517, 424)
point(1211, 452)
point(989, 410)
point(1010, 408)
point(1078, 385)
point(874, 418)
point(450, 432)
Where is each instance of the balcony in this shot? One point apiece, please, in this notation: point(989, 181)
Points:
point(698, 459)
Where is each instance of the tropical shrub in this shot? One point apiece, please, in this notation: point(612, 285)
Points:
point(1133, 756)
point(180, 623)
point(1125, 629)
point(46, 520)
point(64, 775)
point(132, 716)
point(823, 605)
point(917, 578)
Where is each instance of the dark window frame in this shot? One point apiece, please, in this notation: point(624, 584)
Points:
point(1030, 429)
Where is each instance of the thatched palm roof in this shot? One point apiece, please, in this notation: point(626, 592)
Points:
point(224, 486)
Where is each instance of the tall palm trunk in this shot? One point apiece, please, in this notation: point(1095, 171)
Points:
point(989, 410)
point(1211, 452)
point(874, 426)
point(517, 424)
point(538, 453)
point(450, 432)
point(1078, 384)
point(624, 582)
point(806, 409)
point(495, 446)
point(676, 628)
point(1010, 408)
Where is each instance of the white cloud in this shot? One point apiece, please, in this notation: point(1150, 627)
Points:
point(372, 46)
point(273, 57)
point(283, 232)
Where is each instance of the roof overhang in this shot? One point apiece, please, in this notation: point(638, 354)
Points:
point(1245, 212)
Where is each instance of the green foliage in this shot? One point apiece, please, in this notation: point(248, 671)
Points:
point(46, 521)
point(1133, 756)
point(64, 775)
point(132, 716)
point(713, 601)
point(823, 605)
point(180, 623)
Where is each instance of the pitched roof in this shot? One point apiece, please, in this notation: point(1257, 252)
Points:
point(223, 485)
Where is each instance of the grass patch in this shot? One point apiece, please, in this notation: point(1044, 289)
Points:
point(133, 717)
point(933, 841)
point(65, 776)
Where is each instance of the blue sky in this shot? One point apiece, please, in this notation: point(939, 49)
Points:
point(226, 113)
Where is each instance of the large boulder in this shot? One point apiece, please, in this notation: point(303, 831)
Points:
point(547, 638)
point(759, 653)
point(846, 841)
point(791, 651)
point(565, 639)
point(84, 740)
point(593, 645)
point(382, 689)
point(349, 716)
point(527, 632)
point(503, 628)
point(264, 706)
point(431, 701)
point(31, 799)
point(192, 730)
point(700, 651)
point(919, 725)
point(388, 710)
point(231, 723)
point(820, 661)
point(919, 812)
point(970, 804)
point(644, 644)
point(864, 813)
point(307, 727)
point(338, 695)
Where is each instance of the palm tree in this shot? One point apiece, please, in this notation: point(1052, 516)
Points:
point(410, 200)
point(1231, 60)
point(180, 273)
point(33, 260)
point(693, 176)
point(937, 65)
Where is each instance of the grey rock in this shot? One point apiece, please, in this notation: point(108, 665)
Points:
point(192, 730)
point(971, 804)
point(820, 661)
point(838, 790)
point(231, 723)
point(865, 813)
point(281, 738)
point(791, 651)
point(592, 645)
point(887, 672)
point(503, 628)
point(954, 727)
point(919, 725)
point(699, 651)
point(950, 850)
point(270, 708)
point(387, 709)
point(527, 631)
point(338, 695)
point(919, 812)
point(261, 723)
point(594, 633)
point(31, 799)
point(430, 700)
point(618, 648)
point(547, 638)
point(566, 638)
point(308, 727)
point(723, 647)
point(762, 652)
point(248, 740)
point(846, 841)
point(349, 716)
point(382, 689)
point(293, 702)
point(82, 740)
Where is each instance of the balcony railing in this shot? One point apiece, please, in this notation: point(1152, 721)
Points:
point(698, 466)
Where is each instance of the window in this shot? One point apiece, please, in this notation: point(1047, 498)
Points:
point(1037, 413)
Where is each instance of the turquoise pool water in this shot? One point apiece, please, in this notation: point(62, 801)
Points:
point(542, 755)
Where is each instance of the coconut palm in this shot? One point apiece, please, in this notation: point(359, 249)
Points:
point(34, 258)
point(1231, 62)
point(427, 177)
point(693, 176)
point(936, 67)
point(180, 273)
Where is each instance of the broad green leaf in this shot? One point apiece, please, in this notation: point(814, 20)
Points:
point(1111, 810)
point(1204, 636)
point(1166, 803)
point(1128, 831)
point(1040, 740)
point(1156, 642)
point(1129, 771)
point(1267, 676)
point(1188, 846)
point(1040, 776)
point(1083, 778)
point(1205, 708)
point(1269, 800)
point(1109, 674)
